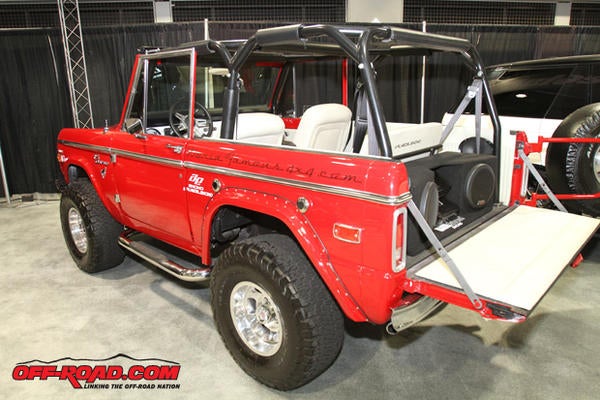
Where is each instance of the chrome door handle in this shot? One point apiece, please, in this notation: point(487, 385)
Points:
point(176, 148)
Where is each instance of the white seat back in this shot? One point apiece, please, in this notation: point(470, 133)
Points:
point(260, 128)
point(410, 138)
point(324, 127)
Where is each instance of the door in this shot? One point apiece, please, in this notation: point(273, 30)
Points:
point(151, 190)
point(149, 152)
point(509, 264)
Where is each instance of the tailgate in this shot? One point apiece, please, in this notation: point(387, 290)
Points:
point(509, 264)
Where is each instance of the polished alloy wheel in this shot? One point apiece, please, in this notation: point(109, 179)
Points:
point(77, 229)
point(256, 318)
point(597, 164)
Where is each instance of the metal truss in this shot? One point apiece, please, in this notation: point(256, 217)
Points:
point(70, 24)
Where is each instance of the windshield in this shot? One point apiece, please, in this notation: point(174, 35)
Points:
point(169, 85)
point(256, 87)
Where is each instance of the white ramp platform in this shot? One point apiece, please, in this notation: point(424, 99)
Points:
point(516, 259)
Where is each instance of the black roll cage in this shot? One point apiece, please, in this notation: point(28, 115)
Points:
point(358, 43)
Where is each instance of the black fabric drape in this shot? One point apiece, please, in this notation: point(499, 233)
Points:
point(34, 100)
point(34, 97)
point(318, 83)
point(33, 105)
point(110, 53)
point(399, 88)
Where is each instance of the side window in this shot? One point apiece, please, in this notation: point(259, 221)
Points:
point(528, 93)
point(169, 85)
point(211, 82)
point(573, 94)
point(284, 103)
point(162, 87)
point(258, 83)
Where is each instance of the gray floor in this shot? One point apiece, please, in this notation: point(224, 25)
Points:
point(51, 310)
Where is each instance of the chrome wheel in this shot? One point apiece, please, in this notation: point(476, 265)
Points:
point(256, 318)
point(597, 164)
point(77, 230)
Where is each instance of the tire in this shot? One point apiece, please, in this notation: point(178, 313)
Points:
point(90, 231)
point(575, 168)
point(299, 330)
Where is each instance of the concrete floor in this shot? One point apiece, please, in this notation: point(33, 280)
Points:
point(50, 310)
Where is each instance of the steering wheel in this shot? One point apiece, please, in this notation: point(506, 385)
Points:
point(179, 119)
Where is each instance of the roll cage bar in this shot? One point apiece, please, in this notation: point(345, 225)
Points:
point(358, 43)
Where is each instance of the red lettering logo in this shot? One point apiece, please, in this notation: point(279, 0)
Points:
point(99, 374)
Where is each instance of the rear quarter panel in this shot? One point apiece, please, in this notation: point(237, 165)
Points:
point(355, 191)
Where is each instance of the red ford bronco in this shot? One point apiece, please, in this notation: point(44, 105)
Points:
point(297, 222)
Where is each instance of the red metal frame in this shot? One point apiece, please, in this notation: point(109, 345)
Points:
point(456, 297)
point(277, 79)
point(519, 168)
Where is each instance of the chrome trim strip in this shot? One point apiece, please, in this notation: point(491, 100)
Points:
point(124, 153)
point(100, 149)
point(157, 160)
point(359, 194)
point(319, 187)
point(399, 213)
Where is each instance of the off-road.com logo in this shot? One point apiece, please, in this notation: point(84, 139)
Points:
point(130, 373)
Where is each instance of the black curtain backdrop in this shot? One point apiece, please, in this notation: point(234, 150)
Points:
point(33, 107)
point(110, 53)
point(34, 97)
point(34, 100)
point(320, 82)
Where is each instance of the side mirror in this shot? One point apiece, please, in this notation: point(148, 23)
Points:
point(133, 125)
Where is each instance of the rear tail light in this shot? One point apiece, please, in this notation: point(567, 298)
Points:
point(399, 240)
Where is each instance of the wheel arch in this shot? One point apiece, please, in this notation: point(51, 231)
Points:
point(283, 212)
point(81, 169)
point(75, 172)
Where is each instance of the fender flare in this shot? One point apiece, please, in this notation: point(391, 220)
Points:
point(303, 232)
point(87, 166)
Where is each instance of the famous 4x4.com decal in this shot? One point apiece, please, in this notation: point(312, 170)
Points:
point(118, 372)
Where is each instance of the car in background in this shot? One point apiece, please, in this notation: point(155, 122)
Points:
point(549, 98)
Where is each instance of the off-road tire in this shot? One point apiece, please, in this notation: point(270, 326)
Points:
point(312, 324)
point(570, 167)
point(101, 231)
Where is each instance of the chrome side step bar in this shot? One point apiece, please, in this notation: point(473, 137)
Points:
point(160, 259)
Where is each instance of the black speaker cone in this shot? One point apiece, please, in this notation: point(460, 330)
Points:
point(480, 184)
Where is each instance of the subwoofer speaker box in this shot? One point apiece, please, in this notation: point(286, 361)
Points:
point(424, 191)
point(470, 182)
point(465, 184)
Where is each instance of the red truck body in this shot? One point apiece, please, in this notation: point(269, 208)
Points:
point(171, 198)
point(386, 227)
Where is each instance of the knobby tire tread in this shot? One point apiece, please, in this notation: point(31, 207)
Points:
point(103, 231)
point(589, 128)
point(316, 311)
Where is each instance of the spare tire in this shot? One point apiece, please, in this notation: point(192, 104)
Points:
point(575, 167)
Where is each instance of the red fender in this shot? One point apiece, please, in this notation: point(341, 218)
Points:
point(75, 158)
point(287, 212)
